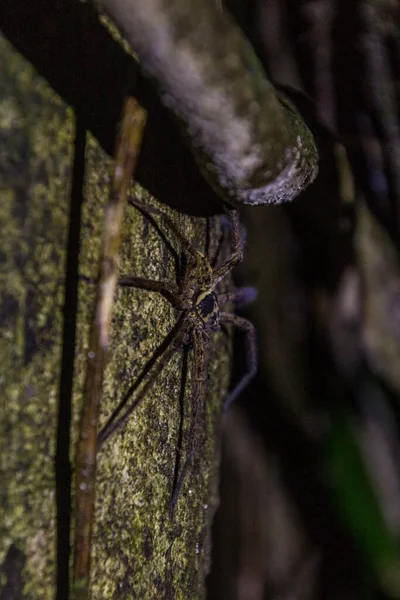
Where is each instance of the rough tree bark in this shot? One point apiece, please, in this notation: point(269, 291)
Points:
point(138, 551)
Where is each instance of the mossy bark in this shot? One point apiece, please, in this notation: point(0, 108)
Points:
point(138, 552)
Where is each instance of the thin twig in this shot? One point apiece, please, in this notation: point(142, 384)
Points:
point(134, 119)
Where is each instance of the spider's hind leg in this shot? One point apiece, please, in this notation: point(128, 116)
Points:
point(199, 385)
point(187, 248)
point(251, 354)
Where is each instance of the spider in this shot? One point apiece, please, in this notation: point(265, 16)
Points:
point(198, 306)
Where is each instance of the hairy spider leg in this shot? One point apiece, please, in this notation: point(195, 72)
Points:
point(186, 246)
point(128, 148)
point(237, 254)
point(241, 297)
point(147, 211)
point(150, 213)
point(199, 343)
point(251, 354)
point(168, 290)
point(163, 354)
point(198, 266)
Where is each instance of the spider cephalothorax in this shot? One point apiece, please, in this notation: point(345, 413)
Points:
point(208, 310)
point(198, 306)
point(197, 293)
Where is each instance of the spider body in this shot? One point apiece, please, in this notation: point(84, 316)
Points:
point(208, 310)
point(199, 315)
point(197, 294)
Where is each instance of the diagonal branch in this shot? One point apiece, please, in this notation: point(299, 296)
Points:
point(250, 144)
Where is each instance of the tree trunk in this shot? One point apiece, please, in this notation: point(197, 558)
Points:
point(51, 159)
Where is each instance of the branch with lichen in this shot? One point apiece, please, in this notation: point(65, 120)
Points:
point(250, 144)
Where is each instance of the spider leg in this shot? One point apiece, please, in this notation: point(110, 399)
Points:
point(213, 250)
point(242, 296)
point(165, 288)
point(188, 248)
point(170, 291)
point(86, 279)
point(148, 212)
point(182, 412)
point(198, 385)
point(251, 354)
point(151, 210)
point(163, 354)
point(237, 254)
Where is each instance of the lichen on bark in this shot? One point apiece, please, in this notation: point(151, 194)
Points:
point(137, 550)
point(36, 157)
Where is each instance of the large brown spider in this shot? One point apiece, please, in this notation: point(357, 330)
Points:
point(199, 316)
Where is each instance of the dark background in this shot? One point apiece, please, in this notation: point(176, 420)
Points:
point(310, 490)
point(311, 465)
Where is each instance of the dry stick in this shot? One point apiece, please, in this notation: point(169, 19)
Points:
point(134, 119)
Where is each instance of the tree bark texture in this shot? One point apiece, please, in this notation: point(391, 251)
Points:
point(50, 159)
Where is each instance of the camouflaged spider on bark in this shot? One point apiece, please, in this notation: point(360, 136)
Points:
point(198, 304)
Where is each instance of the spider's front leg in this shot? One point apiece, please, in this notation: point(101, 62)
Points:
point(149, 211)
point(251, 353)
point(168, 290)
point(237, 255)
point(241, 297)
